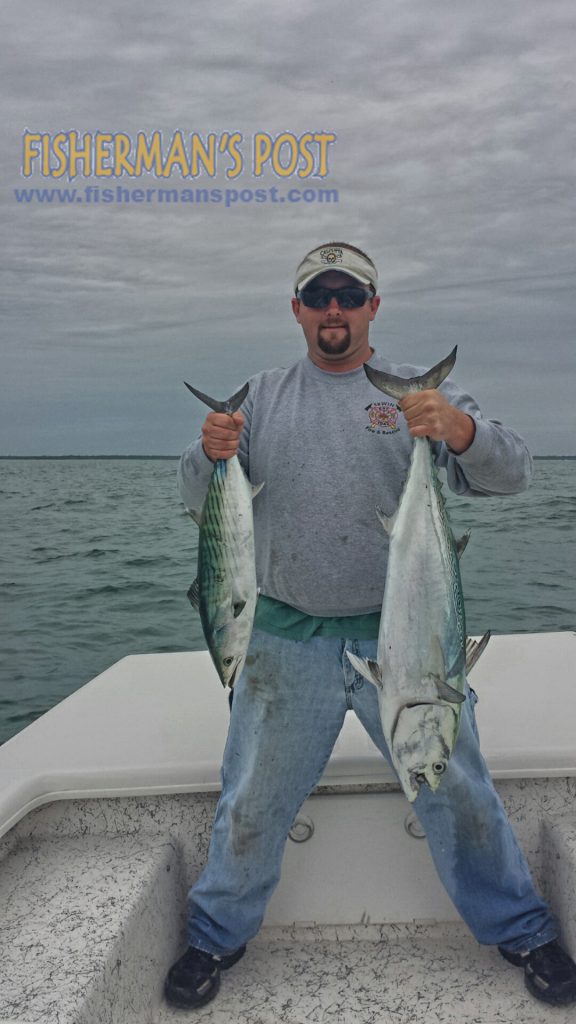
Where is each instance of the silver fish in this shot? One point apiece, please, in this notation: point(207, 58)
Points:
point(225, 591)
point(420, 671)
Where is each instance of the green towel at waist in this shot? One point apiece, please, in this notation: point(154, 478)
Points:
point(282, 620)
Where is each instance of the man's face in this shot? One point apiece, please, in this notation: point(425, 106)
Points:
point(337, 338)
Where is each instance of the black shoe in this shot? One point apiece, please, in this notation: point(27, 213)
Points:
point(549, 973)
point(195, 978)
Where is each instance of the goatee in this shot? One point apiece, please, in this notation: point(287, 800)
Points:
point(337, 346)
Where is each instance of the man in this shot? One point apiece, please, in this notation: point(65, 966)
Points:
point(330, 450)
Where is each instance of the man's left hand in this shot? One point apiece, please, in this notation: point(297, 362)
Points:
point(430, 414)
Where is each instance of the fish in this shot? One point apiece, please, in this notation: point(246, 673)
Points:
point(421, 662)
point(225, 590)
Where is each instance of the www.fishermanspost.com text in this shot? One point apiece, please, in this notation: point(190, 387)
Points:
point(227, 197)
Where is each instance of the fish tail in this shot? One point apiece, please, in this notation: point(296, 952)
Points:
point(368, 668)
point(398, 387)
point(229, 406)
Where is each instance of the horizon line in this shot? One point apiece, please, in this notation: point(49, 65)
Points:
point(177, 456)
point(99, 456)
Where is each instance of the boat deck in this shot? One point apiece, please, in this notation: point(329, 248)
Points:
point(106, 808)
point(435, 974)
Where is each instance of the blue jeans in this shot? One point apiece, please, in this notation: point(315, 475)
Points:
point(289, 706)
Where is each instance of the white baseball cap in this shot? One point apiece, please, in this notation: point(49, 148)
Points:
point(336, 256)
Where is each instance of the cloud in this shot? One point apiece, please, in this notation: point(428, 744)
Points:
point(453, 164)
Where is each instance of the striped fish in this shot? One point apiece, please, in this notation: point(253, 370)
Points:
point(224, 591)
point(420, 671)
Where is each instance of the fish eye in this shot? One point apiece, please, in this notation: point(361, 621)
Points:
point(228, 661)
point(439, 768)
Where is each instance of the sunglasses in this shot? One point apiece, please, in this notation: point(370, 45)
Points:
point(349, 297)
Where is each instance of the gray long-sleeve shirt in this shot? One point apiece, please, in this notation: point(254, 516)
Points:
point(330, 448)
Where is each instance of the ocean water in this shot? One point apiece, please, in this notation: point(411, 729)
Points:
point(98, 554)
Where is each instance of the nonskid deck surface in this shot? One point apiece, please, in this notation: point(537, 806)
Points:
point(435, 974)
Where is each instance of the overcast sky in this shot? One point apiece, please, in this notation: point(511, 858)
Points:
point(454, 166)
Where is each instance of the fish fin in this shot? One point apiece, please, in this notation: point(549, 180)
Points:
point(193, 594)
point(437, 673)
point(366, 667)
point(238, 607)
point(399, 387)
point(195, 514)
point(459, 666)
point(474, 649)
point(448, 693)
point(387, 521)
point(461, 543)
point(229, 406)
point(435, 663)
point(256, 488)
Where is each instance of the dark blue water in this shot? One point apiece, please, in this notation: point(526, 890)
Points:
point(98, 554)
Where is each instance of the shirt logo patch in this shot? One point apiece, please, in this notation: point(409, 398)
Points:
point(383, 418)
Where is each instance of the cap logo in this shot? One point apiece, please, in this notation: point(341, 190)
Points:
point(331, 256)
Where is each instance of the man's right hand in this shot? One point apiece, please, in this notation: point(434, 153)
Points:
point(221, 435)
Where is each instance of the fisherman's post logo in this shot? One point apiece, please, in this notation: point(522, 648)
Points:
point(383, 418)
